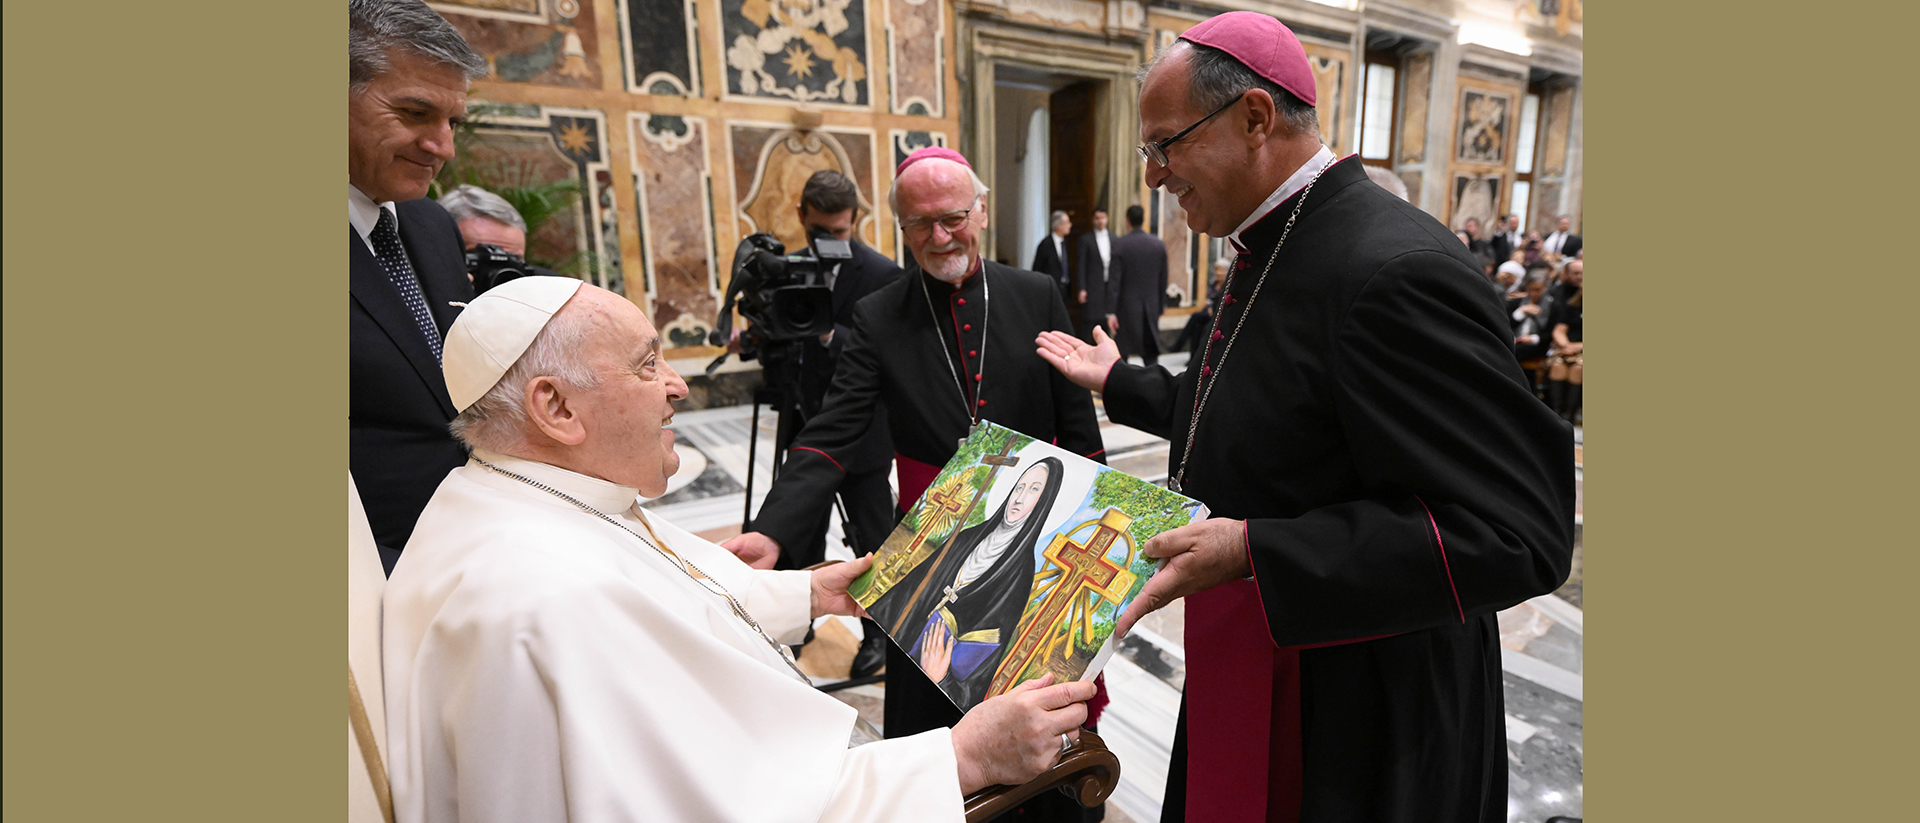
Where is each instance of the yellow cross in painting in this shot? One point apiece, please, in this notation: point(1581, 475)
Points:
point(1081, 569)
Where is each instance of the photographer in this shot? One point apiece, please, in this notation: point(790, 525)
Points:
point(494, 234)
point(829, 209)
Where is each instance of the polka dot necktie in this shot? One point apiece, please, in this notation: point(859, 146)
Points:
point(393, 258)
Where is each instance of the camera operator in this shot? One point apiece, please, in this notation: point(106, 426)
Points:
point(830, 208)
point(494, 234)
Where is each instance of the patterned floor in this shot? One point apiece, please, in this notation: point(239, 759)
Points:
point(1541, 639)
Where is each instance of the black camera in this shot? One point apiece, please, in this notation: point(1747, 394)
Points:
point(784, 296)
point(491, 265)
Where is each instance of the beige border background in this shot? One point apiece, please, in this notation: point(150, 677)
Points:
point(175, 405)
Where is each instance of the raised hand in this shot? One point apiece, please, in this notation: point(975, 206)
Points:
point(1085, 365)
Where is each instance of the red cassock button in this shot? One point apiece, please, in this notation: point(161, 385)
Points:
point(973, 353)
point(962, 301)
point(967, 327)
point(1219, 335)
point(1227, 301)
point(976, 378)
point(983, 402)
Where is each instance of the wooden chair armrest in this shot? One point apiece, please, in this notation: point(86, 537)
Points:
point(1087, 770)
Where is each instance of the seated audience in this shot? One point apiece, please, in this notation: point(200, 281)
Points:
point(1200, 321)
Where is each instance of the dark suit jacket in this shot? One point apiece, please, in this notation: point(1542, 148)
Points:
point(863, 275)
point(398, 408)
point(1100, 290)
point(1502, 247)
point(1046, 261)
point(1139, 281)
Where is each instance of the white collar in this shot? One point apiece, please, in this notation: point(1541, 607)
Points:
point(1293, 184)
point(363, 214)
point(604, 496)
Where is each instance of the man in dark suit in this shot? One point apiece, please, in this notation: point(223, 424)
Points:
point(1094, 265)
point(830, 204)
point(1050, 257)
point(1562, 243)
point(407, 86)
point(1140, 280)
point(1505, 239)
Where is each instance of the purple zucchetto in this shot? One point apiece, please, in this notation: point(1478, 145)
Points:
point(1262, 44)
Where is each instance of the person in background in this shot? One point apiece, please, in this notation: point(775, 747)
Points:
point(1050, 257)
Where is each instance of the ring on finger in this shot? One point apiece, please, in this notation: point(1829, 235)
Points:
point(1065, 742)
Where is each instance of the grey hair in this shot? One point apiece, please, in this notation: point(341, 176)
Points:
point(467, 202)
point(497, 421)
point(1388, 180)
point(893, 192)
point(1056, 218)
point(1215, 77)
point(376, 27)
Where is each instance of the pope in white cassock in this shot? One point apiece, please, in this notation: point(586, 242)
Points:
point(555, 652)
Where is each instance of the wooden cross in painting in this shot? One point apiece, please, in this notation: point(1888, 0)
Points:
point(1083, 568)
point(1002, 458)
point(944, 505)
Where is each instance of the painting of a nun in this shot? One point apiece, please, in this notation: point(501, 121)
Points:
point(968, 610)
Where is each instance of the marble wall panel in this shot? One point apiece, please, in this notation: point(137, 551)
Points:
point(659, 49)
point(1415, 94)
point(807, 51)
point(1559, 123)
point(1076, 15)
point(544, 42)
point(1545, 206)
point(771, 165)
point(1330, 92)
point(673, 183)
point(530, 146)
point(917, 57)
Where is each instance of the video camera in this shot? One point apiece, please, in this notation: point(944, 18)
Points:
point(491, 265)
point(784, 296)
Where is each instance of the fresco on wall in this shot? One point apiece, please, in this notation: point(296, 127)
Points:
point(1475, 196)
point(807, 51)
point(916, 68)
point(545, 42)
point(1413, 110)
point(529, 146)
point(1484, 124)
point(771, 165)
point(659, 53)
point(674, 186)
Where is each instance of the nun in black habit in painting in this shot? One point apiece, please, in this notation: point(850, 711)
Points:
point(969, 608)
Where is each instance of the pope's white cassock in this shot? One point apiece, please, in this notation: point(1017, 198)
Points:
point(543, 665)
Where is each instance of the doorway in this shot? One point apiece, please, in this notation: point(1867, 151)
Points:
point(1046, 130)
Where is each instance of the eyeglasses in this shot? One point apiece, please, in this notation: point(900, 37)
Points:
point(951, 222)
point(1157, 152)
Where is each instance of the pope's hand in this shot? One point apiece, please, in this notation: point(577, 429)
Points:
point(1085, 365)
point(1199, 556)
point(1011, 738)
point(829, 588)
point(754, 549)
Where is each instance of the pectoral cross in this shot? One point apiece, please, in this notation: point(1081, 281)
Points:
point(1083, 568)
point(995, 461)
point(948, 595)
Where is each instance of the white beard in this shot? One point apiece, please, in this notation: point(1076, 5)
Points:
point(949, 270)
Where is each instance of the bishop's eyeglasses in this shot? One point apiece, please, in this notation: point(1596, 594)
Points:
point(1156, 153)
point(951, 222)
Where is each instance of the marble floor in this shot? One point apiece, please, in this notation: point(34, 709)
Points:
point(1541, 639)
